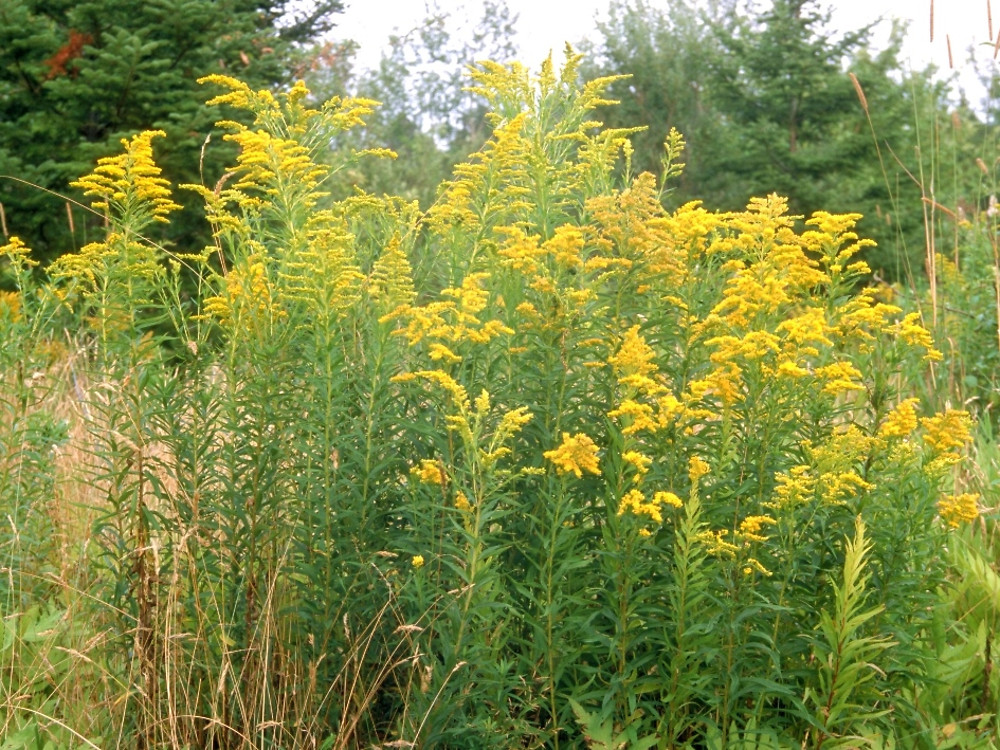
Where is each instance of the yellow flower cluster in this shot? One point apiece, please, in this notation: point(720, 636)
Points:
point(639, 461)
point(947, 433)
point(18, 253)
point(797, 486)
point(912, 333)
point(697, 468)
point(576, 454)
point(10, 306)
point(246, 296)
point(443, 380)
point(452, 320)
point(901, 421)
point(391, 281)
point(322, 273)
point(633, 363)
point(462, 502)
point(129, 184)
point(751, 526)
point(429, 472)
point(634, 501)
point(959, 509)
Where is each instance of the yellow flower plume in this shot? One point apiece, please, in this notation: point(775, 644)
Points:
point(577, 454)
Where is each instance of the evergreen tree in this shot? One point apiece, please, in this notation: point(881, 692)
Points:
point(76, 77)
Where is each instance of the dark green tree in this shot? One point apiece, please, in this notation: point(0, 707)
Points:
point(76, 77)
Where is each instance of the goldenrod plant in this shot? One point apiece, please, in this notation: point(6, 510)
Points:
point(546, 465)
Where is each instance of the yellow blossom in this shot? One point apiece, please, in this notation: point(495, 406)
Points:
point(10, 305)
point(512, 422)
point(959, 509)
point(716, 545)
point(663, 497)
point(791, 369)
point(130, 182)
point(640, 461)
point(750, 527)
point(438, 352)
point(18, 253)
point(635, 502)
point(640, 416)
point(440, 378)
point(840, 376)
point(809, 327)
point(565, 246)
point(697, 468)
point(429, 472)
point(793, 487)
point(417, 561)
point(669, 409)
point(901, 421)
point(835, 487)
point(462, 501)
point(577, 454)
point(946, 432)
point(752, 564)
point(634, 357)
point(914, 334)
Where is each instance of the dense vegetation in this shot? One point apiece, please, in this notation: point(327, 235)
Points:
point(76, 77)
point(557, 460)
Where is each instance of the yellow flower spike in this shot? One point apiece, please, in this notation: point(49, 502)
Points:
point(10, 305)
point(753, 564)
point(439, 352)
point(417, 561)
point(838, 486)
point(697, 468)
point(669, 409)
point(462, 502)
point(716, 545)
point(914, 334)
point(667, 498)
point(640, 461)
point(634, 357)
point(901, 421)
point(482, 403)
point(638, 417)
point(512, 422)
point(443, 380)
point(566, 246)
point(576, 454)
point(959, 509)
point(429, 472)
point(18, 253)
point(790, 369)
point(795, 487)
point(635, 502)
point(840, 377)
point(130, 183)
point(948, 432)
point(810, 327)
point(521, 252)
point(750, 527)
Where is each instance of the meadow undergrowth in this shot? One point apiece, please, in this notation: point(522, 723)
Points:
point(545, 465)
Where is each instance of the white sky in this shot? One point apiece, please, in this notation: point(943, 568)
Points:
point(544, 25)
